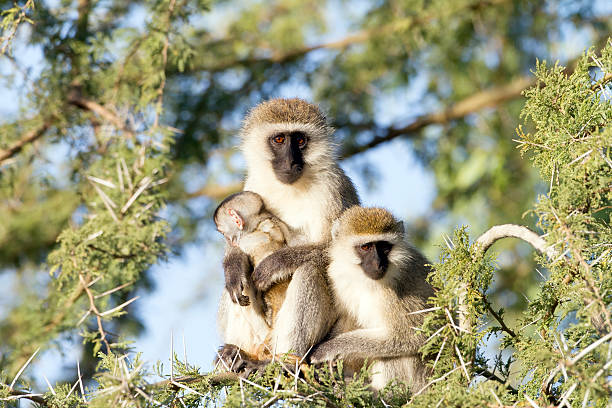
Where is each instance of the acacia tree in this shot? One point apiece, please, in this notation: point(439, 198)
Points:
point(136, 107)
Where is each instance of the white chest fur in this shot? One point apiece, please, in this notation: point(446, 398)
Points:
point(359, 295)
point(303, 209)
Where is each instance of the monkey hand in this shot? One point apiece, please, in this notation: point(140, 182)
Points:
point(237, 267)
point(281, 264)
point(267, 273)
point(235, 287)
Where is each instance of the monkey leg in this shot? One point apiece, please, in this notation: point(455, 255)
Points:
point(242, 326)
point(307, 312)
point(410, 370)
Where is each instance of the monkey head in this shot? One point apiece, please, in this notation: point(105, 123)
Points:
point(237, 215)
point(287, 139)
point(370, 239)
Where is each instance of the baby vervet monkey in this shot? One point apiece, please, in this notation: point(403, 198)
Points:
point(245, 223)
point(378, 281)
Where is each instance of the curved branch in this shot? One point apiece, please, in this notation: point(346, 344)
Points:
point(484, 242)
point(514, 231)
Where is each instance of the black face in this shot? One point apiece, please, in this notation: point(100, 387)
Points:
point(288, 155)
point(374, 258)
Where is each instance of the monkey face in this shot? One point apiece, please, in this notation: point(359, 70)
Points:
point(374, 258)
point(288, 155)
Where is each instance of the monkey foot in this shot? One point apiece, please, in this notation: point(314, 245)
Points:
point(231, 358)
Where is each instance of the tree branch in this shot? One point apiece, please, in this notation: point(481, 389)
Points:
point(514, 231)
point(473, 103)
point(77, 100)
point(215, 191)
point(225, 378)
point(29, 137)
point(277, 57)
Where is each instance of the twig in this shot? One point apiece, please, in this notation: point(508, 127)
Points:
point(121, 306)
point(498, 318)
point(96, 312)
point(16, 394)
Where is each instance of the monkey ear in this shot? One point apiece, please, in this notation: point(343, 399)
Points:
point(335, 228)
point(400, 226)
point(237, 218)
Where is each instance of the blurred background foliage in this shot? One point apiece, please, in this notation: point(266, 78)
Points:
point(444, 77)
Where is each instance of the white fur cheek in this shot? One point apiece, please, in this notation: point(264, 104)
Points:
point(359, 295)
point(255, 151)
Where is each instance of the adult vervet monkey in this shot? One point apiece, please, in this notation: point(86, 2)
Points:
point(378, 279)
point(292, 164)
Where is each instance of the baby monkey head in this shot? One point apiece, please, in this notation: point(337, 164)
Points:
point(372, 235)
point(237, 215)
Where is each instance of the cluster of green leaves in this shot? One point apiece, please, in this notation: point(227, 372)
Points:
point(558, 349)
point(11, 19)
point(107, 205)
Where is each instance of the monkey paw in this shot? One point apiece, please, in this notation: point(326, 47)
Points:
point(266, 273)
point(237, 268)
point(235, 287)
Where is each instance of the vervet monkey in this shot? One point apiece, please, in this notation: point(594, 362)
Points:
point(292, 164)
point(245, 223)
point(378, 280)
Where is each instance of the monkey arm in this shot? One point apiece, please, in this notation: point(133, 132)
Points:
point(281, 264)
point(365, 344)
point(236, 268)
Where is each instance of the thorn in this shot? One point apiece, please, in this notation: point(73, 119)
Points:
point(49, 385)
point(23, 368)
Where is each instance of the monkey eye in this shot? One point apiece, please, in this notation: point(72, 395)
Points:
point(279, 139)
point(366, 247)
point(301, 141)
